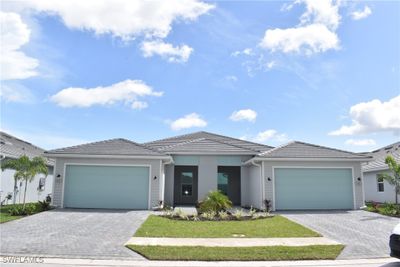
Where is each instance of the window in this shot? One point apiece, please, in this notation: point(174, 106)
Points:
point(381, 185)
point(186, 183)
point(42, 184)
point(223, 182)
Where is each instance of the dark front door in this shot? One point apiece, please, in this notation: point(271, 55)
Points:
point(229, 182)
point(185, 185)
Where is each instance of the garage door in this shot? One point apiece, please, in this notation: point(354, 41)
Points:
point(106, 187)
point(309, 188)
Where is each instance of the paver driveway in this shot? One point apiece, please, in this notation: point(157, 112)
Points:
point(73, 234)
point(365, 234)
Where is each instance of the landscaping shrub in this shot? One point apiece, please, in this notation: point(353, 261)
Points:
point(215, 201)
point(17, 210)
point(391, 209)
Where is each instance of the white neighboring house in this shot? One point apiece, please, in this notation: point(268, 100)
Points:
point(376, 189)
point(12, 148)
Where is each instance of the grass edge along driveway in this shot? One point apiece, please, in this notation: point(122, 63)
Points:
point(275, 253)
point(277, 226)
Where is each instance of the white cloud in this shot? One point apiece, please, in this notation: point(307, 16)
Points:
point(246, 51)
point(15, 93)
point(270, 135)
point(309, 39)
point(373, 116)
point(271, 64)
point(128, 91)
point(188, 121)
point(315, 33)
point(360, 142)
point(139, 105)
point(166, 50)
point(244, 114)
point(357, 15)
point(14, 63)
point(125, 19)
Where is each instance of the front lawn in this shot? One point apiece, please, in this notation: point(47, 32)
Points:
point(276, 253)
point(388, 209)
point(5, 216)
point(277, 226)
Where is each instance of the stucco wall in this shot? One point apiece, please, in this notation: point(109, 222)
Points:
point(358, 186)
point(371, 188)
point(32, 194)
point(254, 196)
point(155, 171)
point(207, 172)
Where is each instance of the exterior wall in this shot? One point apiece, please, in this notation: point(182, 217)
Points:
point(358, 185)
point(155, 171)
point(32, 194)
point(254, 196)
point(207, 173)
point(371, 189)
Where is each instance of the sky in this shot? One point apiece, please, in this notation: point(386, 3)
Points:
point(323, 72)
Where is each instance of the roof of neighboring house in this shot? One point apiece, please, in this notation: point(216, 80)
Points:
point(223, 140)
point(380, 155)
point(13, 147)
point(296, 149)
point(118, 146)
point(205, 145)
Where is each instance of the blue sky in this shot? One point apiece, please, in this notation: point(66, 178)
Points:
point(267, 71)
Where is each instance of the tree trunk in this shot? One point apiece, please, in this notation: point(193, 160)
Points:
point(396, 192)
point(15, 191)
point(26, 184)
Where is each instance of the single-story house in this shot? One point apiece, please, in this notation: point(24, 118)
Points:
point(377, 189)
point(181, 170)
point(12, 147)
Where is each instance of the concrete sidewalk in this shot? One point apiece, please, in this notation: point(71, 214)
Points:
point(231, 242)
point(59, 262)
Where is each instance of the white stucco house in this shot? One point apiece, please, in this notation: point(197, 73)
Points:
point(377, 189)
point(181, 170)
point(12, 147)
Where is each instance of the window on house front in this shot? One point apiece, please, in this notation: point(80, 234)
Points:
point(381, 186)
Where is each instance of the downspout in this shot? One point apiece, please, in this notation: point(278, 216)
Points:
point(253, 162)
point(163, 163)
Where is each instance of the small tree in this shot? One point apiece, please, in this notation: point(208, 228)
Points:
point(25, 169)
point(395, 178)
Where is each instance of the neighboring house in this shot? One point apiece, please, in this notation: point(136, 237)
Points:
point(121, 174)
point(377, 189)
point(13, 148)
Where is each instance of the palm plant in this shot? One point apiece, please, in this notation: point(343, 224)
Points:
point(25, 169)
point(395, 178)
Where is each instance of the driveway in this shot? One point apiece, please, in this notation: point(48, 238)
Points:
point(72, 233)
point(365, 234)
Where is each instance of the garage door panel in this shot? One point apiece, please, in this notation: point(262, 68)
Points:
point(109, 187)
point(313, 188)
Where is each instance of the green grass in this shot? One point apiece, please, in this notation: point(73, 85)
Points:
point(5, 216)
point(277, 226)
point(275, 253)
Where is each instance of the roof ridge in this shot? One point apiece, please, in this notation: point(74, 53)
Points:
point(173, 137)
point(138, 144)
point(182, 143)
point(237, 139)
point(84, 144)
point(276, 148)
point(331, 148)
point(238, 146)
point(19, 139)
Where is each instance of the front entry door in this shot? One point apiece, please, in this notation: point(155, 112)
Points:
point(229, 182)
point(185, 185)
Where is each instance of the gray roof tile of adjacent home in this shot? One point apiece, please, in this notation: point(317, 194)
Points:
point(13, 147)
point(296, 149)
point(118, 146)
point(224, 140)
point(206, 145)
point(379, 155)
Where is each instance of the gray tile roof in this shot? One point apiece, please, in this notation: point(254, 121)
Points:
point(13, 147)
point(298, 149)
point(187, 138)
point(206, 145)
point(117, 146)
point(380, 155)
